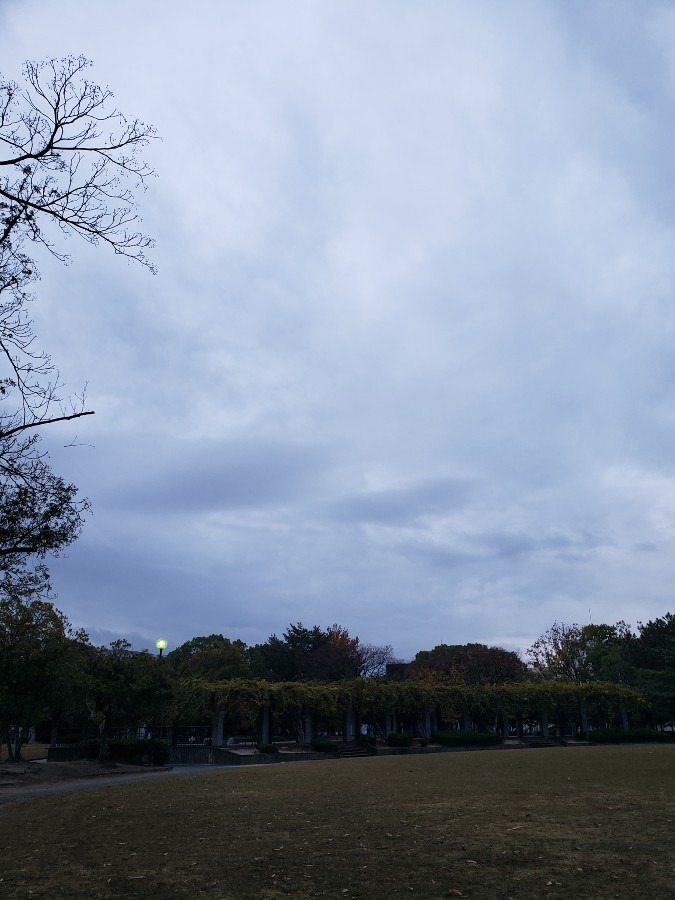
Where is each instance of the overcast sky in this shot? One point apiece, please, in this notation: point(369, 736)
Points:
point(408, 364)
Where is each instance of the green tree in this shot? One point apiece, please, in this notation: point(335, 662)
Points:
point(582, 654)
point(213, 658)
point(286, 658)
point(469, 664)
point(125, 688)
point(607, 649)
point(35, 642)
point(317, 654)
point(40, 516)
point(653, 657)
point(109, 684)
point(65, 694)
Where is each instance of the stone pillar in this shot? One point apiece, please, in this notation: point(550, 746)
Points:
point(544, 723)
point(624, 718)
point(427, 721)
point(389, 722)
point(217, 728)
point(348, 732)
point(265, 724)
point(583, 719)
point(309, 726)
point(466, 722)
point(505, 725)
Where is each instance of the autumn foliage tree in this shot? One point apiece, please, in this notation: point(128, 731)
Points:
point(582, 653)
point(339, 657)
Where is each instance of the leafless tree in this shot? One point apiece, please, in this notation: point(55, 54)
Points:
point(374, 659)
point(70, 163)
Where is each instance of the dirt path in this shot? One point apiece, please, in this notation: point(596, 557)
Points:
point(21, 781)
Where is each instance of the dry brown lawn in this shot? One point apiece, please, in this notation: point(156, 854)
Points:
point(593, 822)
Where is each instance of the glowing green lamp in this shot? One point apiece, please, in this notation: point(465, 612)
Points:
point(161, 645)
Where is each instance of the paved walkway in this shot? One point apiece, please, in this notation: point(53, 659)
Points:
point(17, 793)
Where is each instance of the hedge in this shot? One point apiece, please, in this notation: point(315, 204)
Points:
point(323, 745)
point(633, 736)
point(151, 752)
point(399, 740)
point(466, 738)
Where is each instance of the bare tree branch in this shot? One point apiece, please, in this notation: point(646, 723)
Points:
point(70, 163)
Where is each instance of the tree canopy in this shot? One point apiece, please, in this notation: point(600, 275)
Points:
point(469, 664)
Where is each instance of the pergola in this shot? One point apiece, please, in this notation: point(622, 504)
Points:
point(395, 705)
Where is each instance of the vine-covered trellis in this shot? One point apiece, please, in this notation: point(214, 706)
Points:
point(398, 701)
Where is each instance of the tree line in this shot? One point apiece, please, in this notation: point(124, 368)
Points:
point(51, 676)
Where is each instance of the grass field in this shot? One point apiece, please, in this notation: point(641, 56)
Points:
point(586, 822)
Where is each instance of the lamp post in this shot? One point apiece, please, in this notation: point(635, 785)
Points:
point(161, 645)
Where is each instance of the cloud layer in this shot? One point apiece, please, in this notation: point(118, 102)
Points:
point(408, 361)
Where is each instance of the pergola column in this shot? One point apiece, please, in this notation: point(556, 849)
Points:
point(349, 728)
point(217, 728)
point(544, 722)
point(427, 721)
point(624, 717)
point(309, 726)
point(265, 723)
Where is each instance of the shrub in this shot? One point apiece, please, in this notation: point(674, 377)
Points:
point(69, 739)
point(158, 751)
point(633, 736)
point(399, 740)
point(120, 751)
point(323, 745)
point(368, 742)
point(151, 752)
point(267, 748)
point(466, 738)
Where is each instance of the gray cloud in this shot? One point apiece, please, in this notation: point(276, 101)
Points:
point(207, 476)
point(430, 497)
point(407, 363)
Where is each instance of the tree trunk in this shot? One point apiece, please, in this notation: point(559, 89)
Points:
point(103, 733)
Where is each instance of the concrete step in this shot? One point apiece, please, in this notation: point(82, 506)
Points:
point(349, 751)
